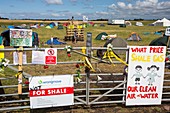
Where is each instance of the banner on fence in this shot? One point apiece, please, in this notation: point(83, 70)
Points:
point(20, 37)
point(16, 58)
point(145, 75)
point(50, 56)
point(51, 91)
point(38, 57)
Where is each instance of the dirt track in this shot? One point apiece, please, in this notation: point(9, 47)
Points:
point(107, 108)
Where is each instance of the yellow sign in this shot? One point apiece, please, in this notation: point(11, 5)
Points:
point(1, 53)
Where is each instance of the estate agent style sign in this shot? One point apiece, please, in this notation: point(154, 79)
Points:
point(51, 91)
point(20, 37)
point(145, 75)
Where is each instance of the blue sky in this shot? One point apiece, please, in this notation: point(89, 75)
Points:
point(93, 9)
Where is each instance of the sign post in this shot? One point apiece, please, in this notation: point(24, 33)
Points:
point(20, 38)
point(87, 70)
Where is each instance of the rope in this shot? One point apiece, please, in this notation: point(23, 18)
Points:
point(86, 60)
point(109, 54)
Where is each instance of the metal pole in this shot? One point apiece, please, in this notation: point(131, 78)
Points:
point(87, 70)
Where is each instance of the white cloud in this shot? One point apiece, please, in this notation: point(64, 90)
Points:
point(55, 14)
point(102, 13)
point(113, 6)
point(153, 1)
point(73, 0)
point(54, 1)
point(163, 5)
point(129, 6)
point(147, 9)
point(121, 4)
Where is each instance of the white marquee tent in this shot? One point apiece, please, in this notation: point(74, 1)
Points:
point(164, 22)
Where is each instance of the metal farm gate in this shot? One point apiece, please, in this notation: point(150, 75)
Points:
point(91, 90)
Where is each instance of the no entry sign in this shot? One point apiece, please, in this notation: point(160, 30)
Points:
point(50, 56)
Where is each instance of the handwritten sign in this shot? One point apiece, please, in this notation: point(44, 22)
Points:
point(145, 75)
point(20, 37)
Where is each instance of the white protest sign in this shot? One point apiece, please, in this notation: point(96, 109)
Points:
point(51, 91)
point(38, 57)
point(145, 75)
point(16, 57)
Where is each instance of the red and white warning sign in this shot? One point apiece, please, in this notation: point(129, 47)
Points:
point(50, 56)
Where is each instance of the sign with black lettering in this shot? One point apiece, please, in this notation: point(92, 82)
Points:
point(145, 75)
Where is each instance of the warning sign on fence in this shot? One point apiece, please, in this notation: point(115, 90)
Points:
point(145, 75)
point(50, 56)
point(51, 91)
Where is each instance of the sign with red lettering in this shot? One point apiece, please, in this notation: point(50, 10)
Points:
point(50, 56)
point(51, 91)
point(145, 75)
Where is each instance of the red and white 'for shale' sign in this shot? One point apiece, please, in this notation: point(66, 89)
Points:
point(51, 91)
point(50, 56)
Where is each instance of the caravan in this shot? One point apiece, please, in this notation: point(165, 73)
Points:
point(116, 21)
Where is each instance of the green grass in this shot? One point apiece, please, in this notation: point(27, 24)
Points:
point(45, 34)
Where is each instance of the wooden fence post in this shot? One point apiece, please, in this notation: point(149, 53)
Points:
point(20, 55)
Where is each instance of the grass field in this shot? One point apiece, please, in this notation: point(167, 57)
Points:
point(45, 34)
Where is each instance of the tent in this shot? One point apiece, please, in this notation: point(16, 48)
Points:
point(48, 27)
point(122, 25)
point(10, 26)
point(60, 27)
point(102, 25)
point(157, 33)
point(117, 43)
point(134, 37)
point(66, 24)
point(52, 24)
point(54, 41)
point(128, 23)
point(139, 24)
point(161, 41)
point(91, 24)
point(41, 24)
point(3, 26)
point(99, 36)
point(163, 22)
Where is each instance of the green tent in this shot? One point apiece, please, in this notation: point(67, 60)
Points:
point(161, 41)
point(99, 36)
point(48, 27)
point(1, 40)
point(122, 25)
point(60, 27)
